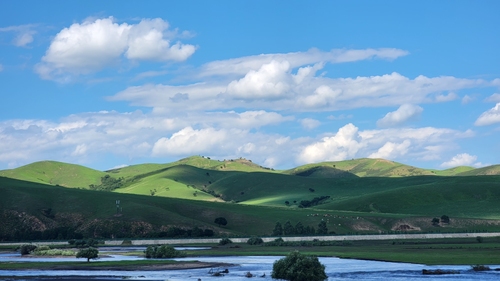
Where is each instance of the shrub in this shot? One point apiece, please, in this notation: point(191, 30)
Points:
point(26, 249)
point(254, 240)
point(298, 267)
point(162, 252)
point(225, 241)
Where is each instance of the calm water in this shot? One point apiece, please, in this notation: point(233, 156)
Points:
point(337, 269)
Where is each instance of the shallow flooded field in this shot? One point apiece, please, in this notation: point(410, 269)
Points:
point(259, 267)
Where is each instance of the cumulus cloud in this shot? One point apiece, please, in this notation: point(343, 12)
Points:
point(268, 81)
point(391, 150)
point(191, 141)
point(350, 142)
point(343, 145)
point(24, 34)
point(272, 87)
point(402, 115)
point(309, 123)
point(95, 44)
point(489, 117)
point(463, 159)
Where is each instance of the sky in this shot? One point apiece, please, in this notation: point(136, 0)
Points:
point(107, 84)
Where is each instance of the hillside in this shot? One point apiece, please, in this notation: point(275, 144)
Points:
point(55, 173)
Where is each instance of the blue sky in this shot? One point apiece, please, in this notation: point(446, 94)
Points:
point(283, 83)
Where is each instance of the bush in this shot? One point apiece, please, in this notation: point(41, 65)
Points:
point(26, 249)
point(298, 267)
point(254, 240)
point(162, 252)
point(225, 241)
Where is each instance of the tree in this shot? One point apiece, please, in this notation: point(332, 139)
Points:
point(220, 221)
point(445, 219)
point(322, 229)
point(435, 221)
point(278, 229)
point(288, 228)
point(298, 267)
point(299, 228)
point(89, 253)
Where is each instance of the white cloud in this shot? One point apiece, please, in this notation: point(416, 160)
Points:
point(402, 115)
point(467, 99)
point(190, 141)
point(99, 43)
point(494, 98)
point(272, 87)
point(241, 66)
point(24, 34)
point(463, 159)
point(391, 150)
point(268, 81)
point(445, 98)
point(489, 117)
point(147, 42)
point(350, 142)
point(343, 145)
point(309, 123)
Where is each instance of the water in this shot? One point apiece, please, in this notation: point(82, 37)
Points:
point(336, 269)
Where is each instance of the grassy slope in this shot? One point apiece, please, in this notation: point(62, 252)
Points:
point(490, 170)
point(476, 196)
point(56, 173)
point(367, 167)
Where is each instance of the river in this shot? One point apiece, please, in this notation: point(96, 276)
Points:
point(260, 266)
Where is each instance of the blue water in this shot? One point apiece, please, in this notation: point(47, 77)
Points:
point(336, 269)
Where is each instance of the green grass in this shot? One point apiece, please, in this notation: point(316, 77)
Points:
point(430, 252)
point(123, 265)
point(56, 173)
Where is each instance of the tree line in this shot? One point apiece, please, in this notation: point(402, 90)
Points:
point(299, 229)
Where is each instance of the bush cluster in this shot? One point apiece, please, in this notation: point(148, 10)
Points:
point(26, 249)
point(254, 240)
point(225, 241)
point(162, 252)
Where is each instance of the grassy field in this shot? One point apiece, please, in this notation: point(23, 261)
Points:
point(429, 252)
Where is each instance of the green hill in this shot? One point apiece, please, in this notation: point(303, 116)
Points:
point(489, 170)
point(56, 173)
point(367, 167)
point(453, 171)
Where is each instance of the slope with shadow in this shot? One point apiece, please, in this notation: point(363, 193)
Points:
point(56, 173)
point(458, 196)
point(27, 207)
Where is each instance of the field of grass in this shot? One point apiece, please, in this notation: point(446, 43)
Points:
point(430, 252)
point(55, 173)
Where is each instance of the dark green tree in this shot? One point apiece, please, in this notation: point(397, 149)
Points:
point(322, 229)
point(298, 267)
point(220, 221)
point(288, 228)
point(278, 229)
point(435, 221)
point(445, 219)
point(88, 253)
point(299, 228)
